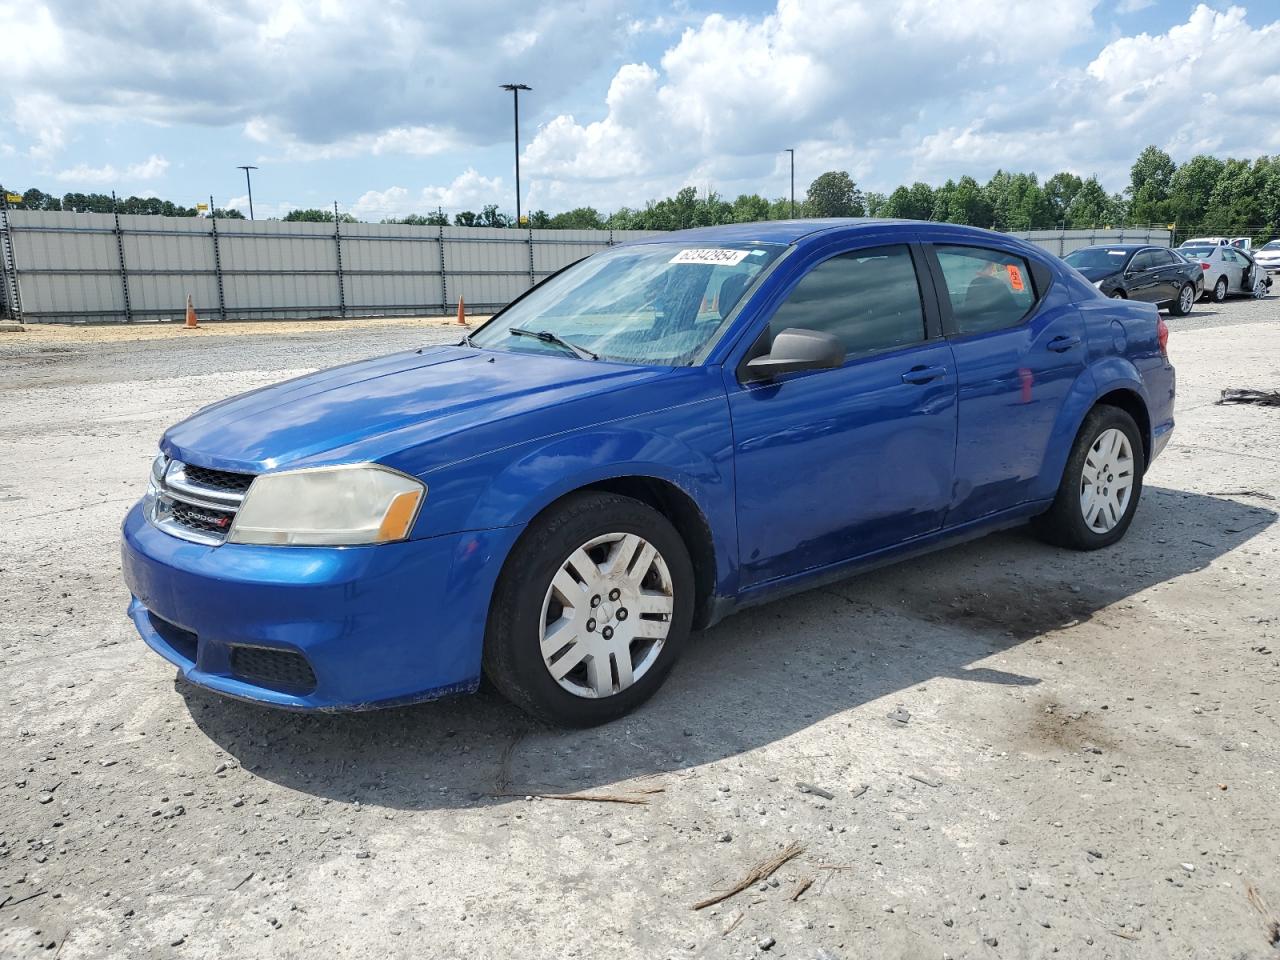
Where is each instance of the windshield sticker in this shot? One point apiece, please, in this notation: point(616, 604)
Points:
point(1015, 276)
point(713, 255)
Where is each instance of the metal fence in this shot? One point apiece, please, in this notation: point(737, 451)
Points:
point(1062, 242)
point(102, 267)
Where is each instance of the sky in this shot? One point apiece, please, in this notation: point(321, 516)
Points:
point(395, 107)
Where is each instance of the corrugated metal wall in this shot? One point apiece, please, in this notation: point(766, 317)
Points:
point(1062, 242)
point(95, 267)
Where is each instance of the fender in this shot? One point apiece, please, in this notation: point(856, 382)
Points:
point(691, 449)
point(1096, 380)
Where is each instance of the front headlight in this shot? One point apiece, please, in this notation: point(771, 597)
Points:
point(329, 506)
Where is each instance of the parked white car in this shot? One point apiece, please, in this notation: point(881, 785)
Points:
point(1243, 243)
point(1228, 270)
point(1268, 256)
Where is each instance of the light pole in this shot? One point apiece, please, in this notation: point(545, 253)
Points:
point(793, 181)
point(249, 185)
point(515, 89)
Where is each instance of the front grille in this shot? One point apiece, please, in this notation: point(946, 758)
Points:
point(202, 519)
point(197, 503)
point(218, 479)
point(282, 670)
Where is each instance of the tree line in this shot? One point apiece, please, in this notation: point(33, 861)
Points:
point(1204, 195)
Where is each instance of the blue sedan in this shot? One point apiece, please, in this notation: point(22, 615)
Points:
point(645, 442)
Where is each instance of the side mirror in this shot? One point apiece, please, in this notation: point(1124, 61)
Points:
point(796, 349)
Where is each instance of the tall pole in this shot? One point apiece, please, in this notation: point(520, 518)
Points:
point(248, 185)
point(515, 89)
point(793, 182)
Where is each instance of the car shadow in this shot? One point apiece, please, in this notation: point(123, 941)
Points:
point(756, 678)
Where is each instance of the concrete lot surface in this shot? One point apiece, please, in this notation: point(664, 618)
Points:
point(1029, 752)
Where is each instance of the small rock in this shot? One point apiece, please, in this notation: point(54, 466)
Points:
point(725, 837)
point(767, 943)
point(1189, 867)
point(899, 714)
point(990, 941)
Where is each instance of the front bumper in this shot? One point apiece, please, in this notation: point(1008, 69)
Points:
point(378, 625)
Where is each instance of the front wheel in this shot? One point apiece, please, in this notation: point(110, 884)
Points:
point(1259, 288)
point(592, 609)
point(1182, 305)
point(1100, 485)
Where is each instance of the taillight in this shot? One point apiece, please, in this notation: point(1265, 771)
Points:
point(1162, 334)
point(1204, 266)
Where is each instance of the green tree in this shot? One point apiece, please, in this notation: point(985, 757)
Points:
point(1150, 178)
point(579, 218)
point(965, 202)
point(228, 214)
point(490, 217)
point(539, 220)
point(466, 218)
point(834, 194)
point(1060, 190)
point(317, 216)
point(1191, 189)
point(874, 203)
point(750, 208)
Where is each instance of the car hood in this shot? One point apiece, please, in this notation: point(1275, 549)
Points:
point(1094, 274)
point(340, 414)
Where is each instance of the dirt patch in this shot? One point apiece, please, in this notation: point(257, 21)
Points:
point(1018, 609)
point(1055, 726)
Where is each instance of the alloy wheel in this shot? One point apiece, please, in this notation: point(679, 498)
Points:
point(1185, 299)
point(606, 615)
point(1106, 482)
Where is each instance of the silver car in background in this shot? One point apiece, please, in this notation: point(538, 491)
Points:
point(1268, 256)
point(1227, 270)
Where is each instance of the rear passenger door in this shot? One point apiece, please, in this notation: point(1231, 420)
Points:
point(1019, 346)
point(1167, 275)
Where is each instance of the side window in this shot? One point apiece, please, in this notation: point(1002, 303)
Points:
point(870, 299)
point(1143, 260)
point(988, 289)
point(1162, 257)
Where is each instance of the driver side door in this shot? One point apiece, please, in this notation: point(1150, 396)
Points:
point(838, 463)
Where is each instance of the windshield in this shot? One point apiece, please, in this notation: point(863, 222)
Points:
point(1091, 258)
point(1273, 245)
point(656, 303)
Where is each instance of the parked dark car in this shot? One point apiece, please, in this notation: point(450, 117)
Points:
point(1136, 271)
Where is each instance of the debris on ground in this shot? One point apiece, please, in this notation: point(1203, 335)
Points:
point(761, 871)
point(801, 887)
point(640, 797)
point(816, 791)
point(899, 714)
point(1270, 923)
point(1265, 398)
point(1256, 494)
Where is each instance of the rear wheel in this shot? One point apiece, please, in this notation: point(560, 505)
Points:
point(1100, 486)
point(1181, 306)
point(592, 609)
point(1220, 290)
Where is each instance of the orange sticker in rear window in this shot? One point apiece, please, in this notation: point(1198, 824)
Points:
point(1015, 276)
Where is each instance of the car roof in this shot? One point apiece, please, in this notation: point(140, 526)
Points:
point(1119, 246)
point(791, 231)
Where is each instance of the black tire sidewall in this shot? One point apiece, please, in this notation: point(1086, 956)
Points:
point(1175, 307)
point(513, 658)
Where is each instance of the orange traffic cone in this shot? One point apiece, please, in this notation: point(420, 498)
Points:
point(191, 323)
point(462, 314)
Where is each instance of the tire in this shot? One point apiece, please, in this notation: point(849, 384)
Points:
point(1067, 522)
point(1181, 304)
point(1117, 295)
point(567, 549)
point(1220, 290)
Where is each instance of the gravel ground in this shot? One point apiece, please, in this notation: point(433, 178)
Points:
point(1029, 752)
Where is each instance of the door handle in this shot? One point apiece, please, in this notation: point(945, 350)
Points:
point(1063, 344)
point(923, 374)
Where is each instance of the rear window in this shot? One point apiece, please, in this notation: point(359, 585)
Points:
point(989, 289)
point(1091, 258)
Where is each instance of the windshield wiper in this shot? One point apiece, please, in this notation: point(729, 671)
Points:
point(546, 336)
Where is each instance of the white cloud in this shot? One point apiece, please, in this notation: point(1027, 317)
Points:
point(1133, 6)
point(345, 78)
point(927, 91)
point(151, 168)
point(470, 190)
